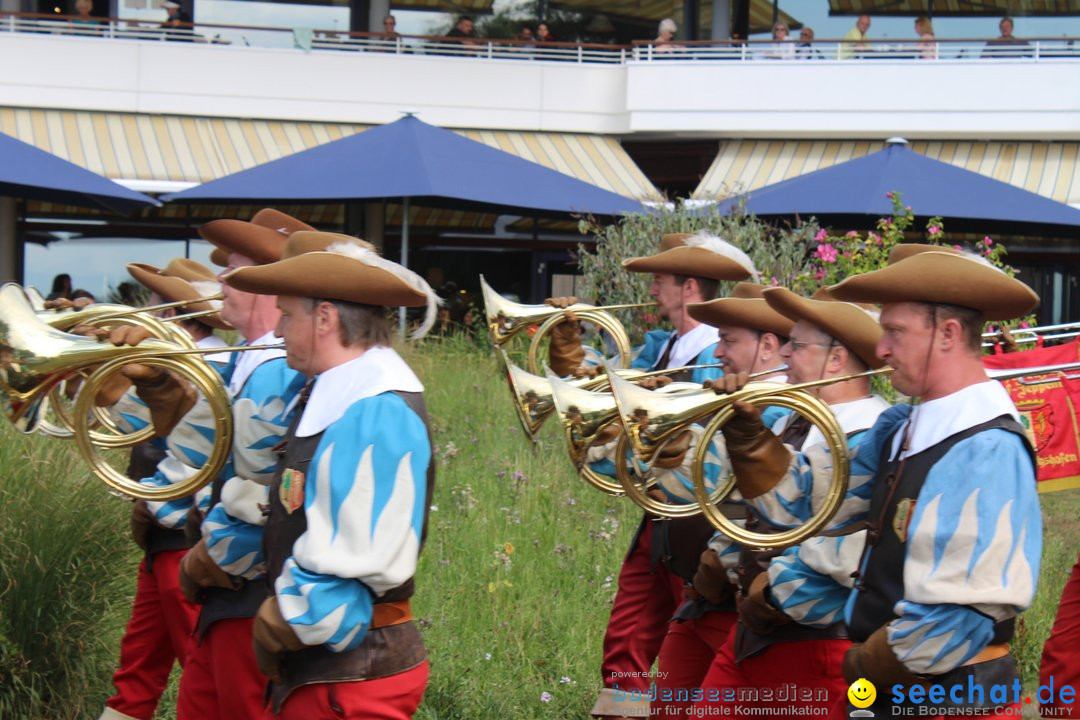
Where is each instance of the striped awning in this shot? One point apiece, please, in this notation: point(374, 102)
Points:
point(127, 146)
point(1051, 169)
point(448, 6)
point(653, 11)
point(991, 8)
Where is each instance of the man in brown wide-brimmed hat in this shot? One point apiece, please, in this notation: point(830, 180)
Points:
point(828, 339)
point(162, 619)
point(953, 524)
point(348, 503)
point(686, 269)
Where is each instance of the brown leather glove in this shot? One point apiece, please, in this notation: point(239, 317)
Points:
point(198, 570)
point(141, 522)
point(588, 371)
point(167, 396)
point(565, 352)
point(562, 302)
point(756, 612)
point(711, 581)
point(654, 382)
point(758, 458)
point(728, 383)
point(193, 525)
point(875, 661)
point(674, 453)
point(272, 637)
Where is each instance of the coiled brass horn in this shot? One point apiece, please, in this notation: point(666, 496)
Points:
point(506, 319)
point(584, 415)
point(35, 357)
point(652, 421)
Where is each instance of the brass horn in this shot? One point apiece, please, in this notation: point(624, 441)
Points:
point(585, 414)
point(35, 357)
point(531, 394)
point(507, 319)
point(651, 422)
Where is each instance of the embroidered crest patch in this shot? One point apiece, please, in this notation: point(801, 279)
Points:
point(291, 490)
point(902, 518)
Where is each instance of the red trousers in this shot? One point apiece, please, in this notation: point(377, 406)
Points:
point(221, 680)
point(805, 664)
point(685, 657)
point(156, 636)
point(1061, 654)
point(389, 698)
point(645, 601)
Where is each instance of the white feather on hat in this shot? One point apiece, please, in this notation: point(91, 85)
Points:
point(407, 276)
point(722, 247)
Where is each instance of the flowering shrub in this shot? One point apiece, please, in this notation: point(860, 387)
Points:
point(804, 258)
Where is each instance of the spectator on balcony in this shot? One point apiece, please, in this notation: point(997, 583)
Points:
point(665, 36)
point(464, 30)
point(805, 50)
point(782, 48)
point(177, 25)
point(84, 23)
point(854, 41)
point(543, 33)
point(1000, 46)
point(389, 24)
point(924, 29)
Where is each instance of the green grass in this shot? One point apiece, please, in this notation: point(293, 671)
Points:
point(513, 591)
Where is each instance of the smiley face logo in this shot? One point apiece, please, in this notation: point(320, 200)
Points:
point(862, 693)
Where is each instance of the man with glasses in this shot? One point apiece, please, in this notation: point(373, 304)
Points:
point(790, 623)
point(805, 50)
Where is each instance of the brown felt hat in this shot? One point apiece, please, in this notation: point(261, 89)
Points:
point(906, 250)
point(698, 255)
point(182, 279)
point(262, 238)
point(338, 267)
point(852, 326)
point(746, 312)
point(942, 277)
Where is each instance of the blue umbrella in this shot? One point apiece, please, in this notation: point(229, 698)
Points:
point(850, 192)
point(412, 160)
point(27, 172)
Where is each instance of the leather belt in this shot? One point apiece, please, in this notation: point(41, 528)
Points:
point(988, 653)
point(391, 613)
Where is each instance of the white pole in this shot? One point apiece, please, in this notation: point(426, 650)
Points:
point(404, 256)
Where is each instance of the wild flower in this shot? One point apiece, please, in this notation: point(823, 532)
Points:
point(826, 253)
point(545, 696)
point(564, 680)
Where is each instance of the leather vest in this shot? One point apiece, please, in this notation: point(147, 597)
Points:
point(754, 562)
point(386, 650)
point(892, 505)
point(143, 464)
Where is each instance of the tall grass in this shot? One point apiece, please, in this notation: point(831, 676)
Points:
point(513, 591)
point(65, 576)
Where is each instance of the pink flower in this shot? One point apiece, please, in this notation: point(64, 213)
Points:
point(890, 195)
point(934, 229)
point(826, 253)
point(545, 696)
point(851, 233)
point(819, 275)
point(847, 254)
point(875, 238)
point(1024, 325)
point(821, 235)
point(987, 241)
point(957, 248)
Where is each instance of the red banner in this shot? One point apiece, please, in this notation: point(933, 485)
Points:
point(1047, 405)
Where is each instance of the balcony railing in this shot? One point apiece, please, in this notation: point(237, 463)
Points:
point(766, 51)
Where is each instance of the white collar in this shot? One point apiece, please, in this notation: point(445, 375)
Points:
point(935, 420)
point(687, 347)
point(211, 342)
point(248, 361)
point(378, 370)
point(853, 416)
